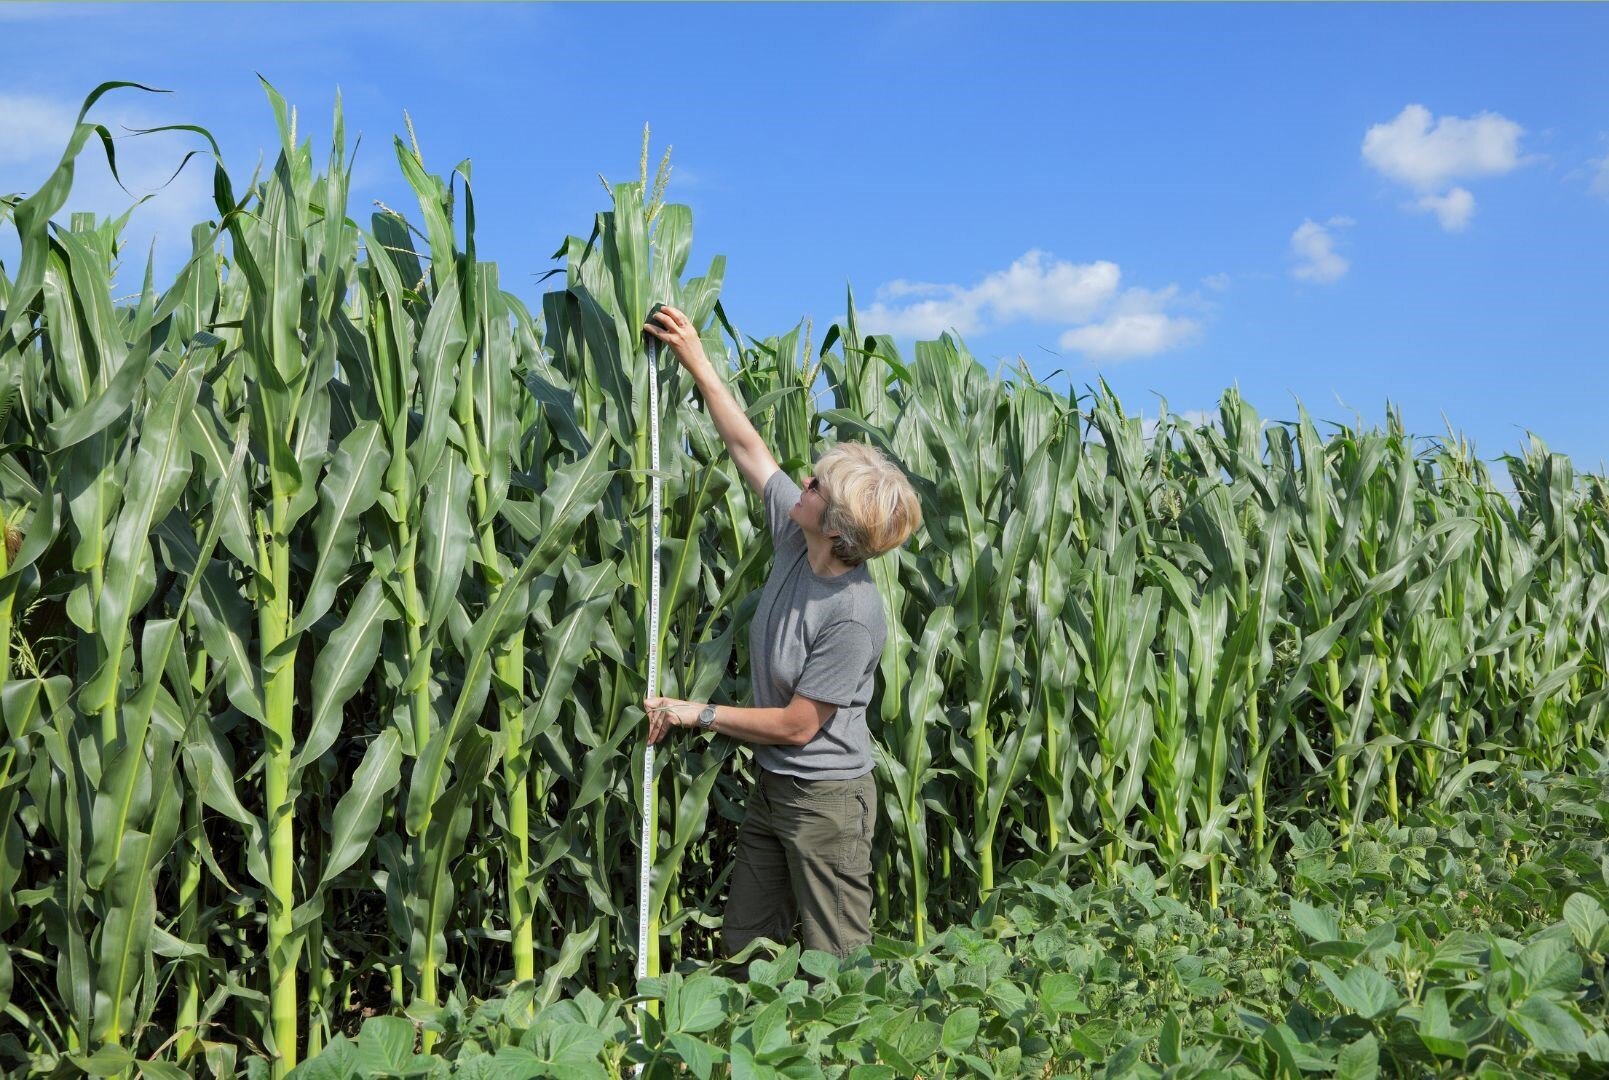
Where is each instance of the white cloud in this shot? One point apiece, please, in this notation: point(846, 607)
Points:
point(1427, 158)
point(34, 131)
point(33, 128)
point(1600, 178)
point(1034, 287)
point(1453, 209)
point(1053, 291)
point(1216, 282)
point(1139, 325)
point(1314, 247)
point(683, 178)
point(1127, 337)
point(1038, 288)
point(925, 319)
point(901, 288)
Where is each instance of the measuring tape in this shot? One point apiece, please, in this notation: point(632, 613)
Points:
point(649, 830)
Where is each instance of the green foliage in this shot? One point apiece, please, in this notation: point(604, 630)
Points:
point(323, 625)
point(1403, 956)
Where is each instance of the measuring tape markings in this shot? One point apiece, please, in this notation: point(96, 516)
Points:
point(645, 875)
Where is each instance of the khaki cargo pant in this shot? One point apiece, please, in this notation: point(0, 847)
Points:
point(804, 854)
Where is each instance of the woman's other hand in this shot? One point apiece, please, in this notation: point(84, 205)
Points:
point(665, 713)
point(677, 330)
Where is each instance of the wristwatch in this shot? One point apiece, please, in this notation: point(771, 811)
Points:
point(706, 717)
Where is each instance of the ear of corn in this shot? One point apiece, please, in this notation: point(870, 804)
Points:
point(323, 618)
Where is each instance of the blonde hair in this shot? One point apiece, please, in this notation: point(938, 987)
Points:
point(870, 504)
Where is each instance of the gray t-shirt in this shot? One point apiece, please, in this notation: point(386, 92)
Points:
point(819, 637)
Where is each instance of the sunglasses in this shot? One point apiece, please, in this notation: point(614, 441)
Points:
point(815, 485)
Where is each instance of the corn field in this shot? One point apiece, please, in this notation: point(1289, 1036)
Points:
point(323, 618)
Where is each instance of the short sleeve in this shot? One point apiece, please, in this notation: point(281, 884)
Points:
point(836, 664)
point(780, 496)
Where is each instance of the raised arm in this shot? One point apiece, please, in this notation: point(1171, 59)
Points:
point(752, 457)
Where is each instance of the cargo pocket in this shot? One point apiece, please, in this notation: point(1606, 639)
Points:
point(855, 855)
point(854, 877)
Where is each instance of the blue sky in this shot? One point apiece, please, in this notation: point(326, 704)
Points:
point(1348, 205)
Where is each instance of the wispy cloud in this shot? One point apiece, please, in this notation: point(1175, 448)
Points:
point(1313, 247)
point(33, 128)
point(1429, 154)
point(34, 131)
point(1453, 209)
point(1600, 177)
point(1109, 324)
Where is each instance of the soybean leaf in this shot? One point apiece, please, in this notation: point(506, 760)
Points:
point(697, 1055)
point(385, 1044)
point(1359, 1060)
point(960, 1028)
point(1585, 917)
point(1061, 994)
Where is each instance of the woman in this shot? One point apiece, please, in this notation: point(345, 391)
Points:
point(804, 850)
